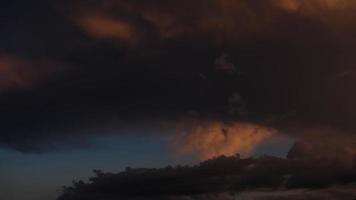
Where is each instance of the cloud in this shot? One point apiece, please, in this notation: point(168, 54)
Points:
point(170, 20)
point(314, 6)
point(237, 106)
point(216, 138)
point(220, 20)
point(335, 192)
point(17, 73)
point(106, 27)
point(323, 142)
point(224, 65)
point(221, 177)
point(139, 63)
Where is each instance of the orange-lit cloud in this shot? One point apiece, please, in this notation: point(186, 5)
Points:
point(219, 138)
point(17, 73)
point(104, 27)
point(220, 19)
point(172, 19)
point(314, 6)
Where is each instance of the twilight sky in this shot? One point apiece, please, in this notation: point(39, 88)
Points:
point(107, 84)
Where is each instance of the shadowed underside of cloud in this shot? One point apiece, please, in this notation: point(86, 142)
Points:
point(280, 65)
point(260, 178)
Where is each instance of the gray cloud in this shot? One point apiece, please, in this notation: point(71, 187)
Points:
point(221, 178)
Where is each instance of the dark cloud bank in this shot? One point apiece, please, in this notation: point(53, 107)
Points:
point(73, 68)
point(297, 177)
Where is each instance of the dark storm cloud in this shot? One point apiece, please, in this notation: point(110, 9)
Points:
point(228, 175)
point(23, 74)
point(224, 60)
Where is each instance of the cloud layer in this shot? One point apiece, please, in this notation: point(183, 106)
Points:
point(21, 74)
point(282, 65)
point(252, 178)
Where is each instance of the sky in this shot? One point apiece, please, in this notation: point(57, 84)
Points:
point(108, 84)
point(41, 176)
